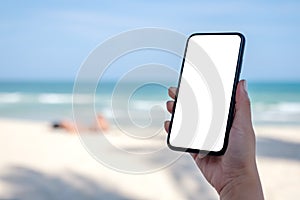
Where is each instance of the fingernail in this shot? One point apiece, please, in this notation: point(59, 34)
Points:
point(245, 86)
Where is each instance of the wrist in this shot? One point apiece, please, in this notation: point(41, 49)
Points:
point(244, 186)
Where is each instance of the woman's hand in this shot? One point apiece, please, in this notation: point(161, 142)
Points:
point(234, 175)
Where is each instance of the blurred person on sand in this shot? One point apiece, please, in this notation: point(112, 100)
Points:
point(69, 126)
point(234, 175)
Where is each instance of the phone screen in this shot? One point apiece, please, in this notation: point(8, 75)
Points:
point(204, 103)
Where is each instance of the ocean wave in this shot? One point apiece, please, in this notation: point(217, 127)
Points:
point(283, 107)
point(146, 105)
point(282, 112)
point(10, 98)
point(44, 98)
point(289, 107)
point(54, 98)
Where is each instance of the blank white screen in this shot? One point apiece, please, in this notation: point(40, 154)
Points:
point(223, 51)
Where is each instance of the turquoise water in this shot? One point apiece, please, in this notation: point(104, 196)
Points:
point(275, 102)
point(272, 102)
point(52, 101)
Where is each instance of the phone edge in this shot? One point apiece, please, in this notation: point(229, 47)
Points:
point(232, 101)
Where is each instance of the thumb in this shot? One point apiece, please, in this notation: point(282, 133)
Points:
point(242, 117)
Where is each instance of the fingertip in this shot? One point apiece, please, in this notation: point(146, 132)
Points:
point(172, 92)
point(242, 114)
point(167, 124)
point(172, 88)
point(170, 105)
point(241, 92)
point(245, 85)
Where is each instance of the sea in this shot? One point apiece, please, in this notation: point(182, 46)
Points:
point(273, 103)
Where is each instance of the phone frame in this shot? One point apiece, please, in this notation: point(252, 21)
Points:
point(232, 101)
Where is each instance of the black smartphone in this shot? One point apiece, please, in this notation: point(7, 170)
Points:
point(205, 98)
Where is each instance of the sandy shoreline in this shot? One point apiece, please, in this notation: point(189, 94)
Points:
point(39, 163)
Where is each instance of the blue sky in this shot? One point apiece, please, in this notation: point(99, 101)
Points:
point(48, 40)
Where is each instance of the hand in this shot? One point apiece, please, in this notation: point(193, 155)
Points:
point(234, 175)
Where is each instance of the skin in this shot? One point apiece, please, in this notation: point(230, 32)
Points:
point(71, 127)
point(234, 175)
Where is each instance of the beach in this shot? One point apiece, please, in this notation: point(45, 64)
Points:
point(86, 89)
point(129, 162)
point(37, 162)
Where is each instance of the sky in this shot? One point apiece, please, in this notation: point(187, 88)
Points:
point(49, 40)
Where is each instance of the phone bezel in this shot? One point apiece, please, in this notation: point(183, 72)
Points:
point(232, 101)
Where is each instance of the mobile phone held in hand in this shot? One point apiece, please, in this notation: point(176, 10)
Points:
point(205, 98)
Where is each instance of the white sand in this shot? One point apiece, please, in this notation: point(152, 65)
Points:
point(279, 161)
point(39, 163)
